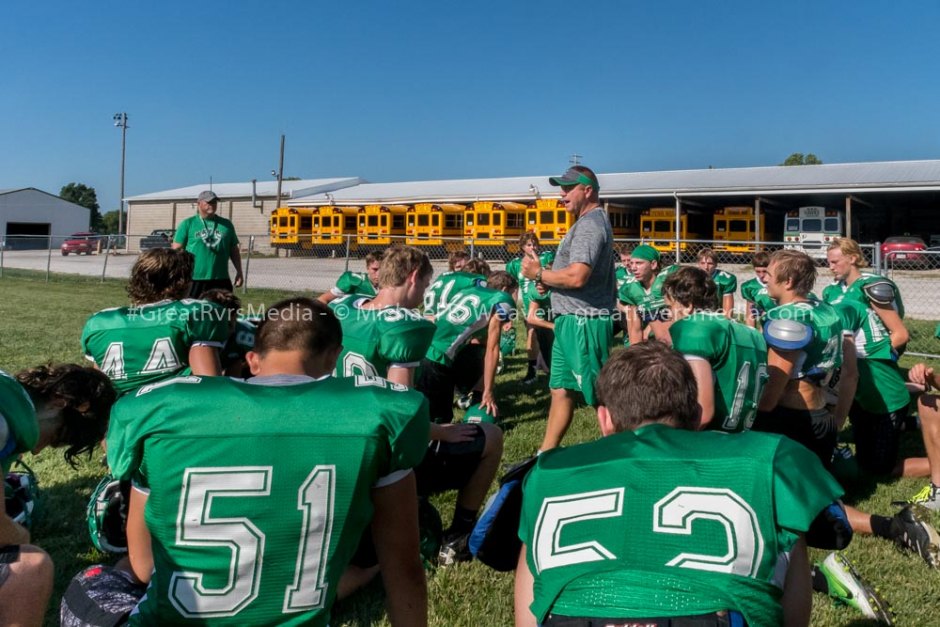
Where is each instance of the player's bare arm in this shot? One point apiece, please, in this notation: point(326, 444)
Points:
point(572, 277)
point(139, 551)
point(403, 376)
point(236, 256)
point(490, 362)
point(727, 305)
point(11, 532)
point(634, 326)
point(892, 321)
point(780, 366)
point(204, 361)
point(523, 596)
point(706, 388)
point(797, 598)
point(532, 318)
point(848, 381)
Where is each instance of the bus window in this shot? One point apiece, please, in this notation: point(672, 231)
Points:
point(454, 221)
point(813, 225)
point(663, 226)
point(793, 225)
point(398, 222)
point(515, 221)
point(349, 223)
point(497, 219)
point(721, 226)
point(373, 220)
point(832, 225)
point(561, 217)
point(739, 226)
point(423, 220)
point(483, 219)
point(545, 217)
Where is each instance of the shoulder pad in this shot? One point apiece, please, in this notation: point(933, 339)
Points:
point(787, 334)
point(7, 444)
point(879, 292)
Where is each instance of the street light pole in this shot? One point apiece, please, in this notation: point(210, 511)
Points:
point(120, 121)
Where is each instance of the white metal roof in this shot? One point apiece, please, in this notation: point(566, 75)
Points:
point(835, 178)
point(264, 189)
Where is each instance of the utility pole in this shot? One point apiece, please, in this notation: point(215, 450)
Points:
point(574, 159)
point(120, 121)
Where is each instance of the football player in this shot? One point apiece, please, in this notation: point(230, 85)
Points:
point(727, 283)
point(384, 336)
point(928, 410)
point(754, 292)
point(161, 333)
point(529, 245)
point(606, 525)
point(254, 519)
point(641, 300)
point(57, 406)
point(729, 359)
point(440, 293)
point(362, 283)
point(241, 334)
point(540, 317)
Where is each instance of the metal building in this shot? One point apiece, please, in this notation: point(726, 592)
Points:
point(29, 217)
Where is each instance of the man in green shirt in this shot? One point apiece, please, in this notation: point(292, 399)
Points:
point(726, 282)
point(213, 242)
point(754, 292)
point(614, 530)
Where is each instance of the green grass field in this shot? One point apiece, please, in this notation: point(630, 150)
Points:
point(43, 322)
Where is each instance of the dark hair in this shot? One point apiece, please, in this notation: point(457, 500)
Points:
point(797, 266)
point(691, 287)
point(760, 259)
point(707, 253)
point(456, 256)
point(161, 273)
point(224, 298)
point(528, 236)
point(400, 261)
point(300, 324)
point(373, 256)
point(503, 281)
point(477, 266)
point(87, 395)
point(648, 382)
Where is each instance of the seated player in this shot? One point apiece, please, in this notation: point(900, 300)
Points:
point(58, 406)
point(729, 359)
point(727, 283)
point(470, 273)
point(641, 300)
point(241, 337)
point(383, 336)
point(161, 333)
point(529, 245)
point(754, 292)
point(361, 283)
point(622, 530)
point(255, 519)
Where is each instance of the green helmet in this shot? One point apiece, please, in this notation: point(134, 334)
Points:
point(22, 495)
point(106, 518)
point(476, 414)
point(507, 342)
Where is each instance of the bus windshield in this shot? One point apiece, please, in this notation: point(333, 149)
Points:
point(813, 225)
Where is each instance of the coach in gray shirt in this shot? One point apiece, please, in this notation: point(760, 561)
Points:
point(583, 296)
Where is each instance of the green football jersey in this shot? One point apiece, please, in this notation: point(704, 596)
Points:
point(514, 267)
point(813, 329)
point(256, 508)
point(622, 275)
point(737, 355)
point(666, 522)
point(375, 340)
point(727, 283)
point(872, 341)
point(442, 291)
point(648, 302)
point(353, 283)
point(139, 345)
point(542, 301)
point(466, 316)
point(755, 292)
point(19, 430)
point(239, 341)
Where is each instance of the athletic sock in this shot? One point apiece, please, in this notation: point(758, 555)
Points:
point(820, 583)
point(463, 522)
point(881, 526)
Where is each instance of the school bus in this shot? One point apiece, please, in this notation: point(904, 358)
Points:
point(623, 221)
point(379, 224)
point(292, 227)
point(428, 224)
point(332, 226)
point(733, 229)
point(549, 220)
point(494, 224)
point(658, 228)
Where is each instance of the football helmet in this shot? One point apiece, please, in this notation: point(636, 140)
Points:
point(106, 517)
point(22, 494)
point(476, 414)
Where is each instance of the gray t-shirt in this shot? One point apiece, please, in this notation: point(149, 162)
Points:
point(590, 241)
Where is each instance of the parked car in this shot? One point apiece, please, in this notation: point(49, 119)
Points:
point(80, 244)
point(904, 250)
point(158, 238)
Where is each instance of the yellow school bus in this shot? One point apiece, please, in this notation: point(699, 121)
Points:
point(380, 225)
point(333, 225)
point(623, 221)
point(494, 225)
point(658, 228)
point(292, 227)
point(549, 220)
point(734, 229)
point(428, 224)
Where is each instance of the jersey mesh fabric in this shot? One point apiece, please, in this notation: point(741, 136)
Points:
point(514, 267)
point(727, 283)
point(688, 502)
point(737, 355)
point(467, 315)
point(19, 417)
point(824, 352)
point(353, 283)
point(440, 293)
point(650, 301)
point(267, 479)
point(755, 292)
point(135, 346)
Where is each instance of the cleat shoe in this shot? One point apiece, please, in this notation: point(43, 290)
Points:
point(847, 587)
point(455, 548)
point(928, 497)
point(530, 376)
point(500, 366)
point(910, 532)
point(465, 400)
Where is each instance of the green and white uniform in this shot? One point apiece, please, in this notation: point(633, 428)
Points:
point(649, 303)
point(139, 345)
point(737, 355)
point(543, 302)
point(755, 292)
point(256, 508)
point(19, 430)
point(353, 283)
point(727, 283)
point(622, 275)
point(514, 267)
point(239, 342)
point(210, 241)
point(814, 329)
point(467, 315)
point(375, 340)
point(665, 522)
point(445, 287)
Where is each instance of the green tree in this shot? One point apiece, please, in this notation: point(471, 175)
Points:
point(109, 222)
point(798, 158)
point(85, 196)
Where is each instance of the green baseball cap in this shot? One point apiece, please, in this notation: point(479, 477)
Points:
point(645, 252)
point(574, 177)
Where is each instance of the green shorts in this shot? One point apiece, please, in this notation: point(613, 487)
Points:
point(582, 345)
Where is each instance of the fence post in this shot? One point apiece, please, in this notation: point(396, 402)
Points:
point(472, 247)
point(878, 260)
point(104, 266)
point(3, 245)
point(251, 247)
point(49, 259)
point(346, 268)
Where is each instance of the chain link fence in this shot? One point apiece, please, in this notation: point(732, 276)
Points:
point(315, 268)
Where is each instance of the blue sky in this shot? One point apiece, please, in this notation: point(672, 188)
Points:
point(402, 90)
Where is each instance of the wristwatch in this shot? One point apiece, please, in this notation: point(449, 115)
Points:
point(538, 276)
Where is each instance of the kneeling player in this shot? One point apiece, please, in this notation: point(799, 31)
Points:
point(255, 518)
point(616, 531)
point(361, 283)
